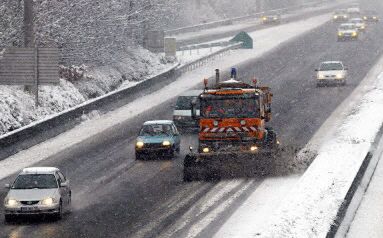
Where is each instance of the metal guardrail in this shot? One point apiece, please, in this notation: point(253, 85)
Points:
point(39, 131)
point(231, 20)
point(201, 61)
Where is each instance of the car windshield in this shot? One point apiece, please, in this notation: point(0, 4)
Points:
point(331, 66)
point(35, 181)
point(347, 27)
point(156, 130)
point(185, 102)
point(229, 108)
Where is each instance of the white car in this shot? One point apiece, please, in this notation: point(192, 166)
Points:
point(331, 72)
point(38, 191)
point(359, 23)
point(348, 31)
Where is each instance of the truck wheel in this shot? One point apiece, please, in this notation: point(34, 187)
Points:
point(9, 218)
point(271, 139)
point(188, 177)
point(189, 174)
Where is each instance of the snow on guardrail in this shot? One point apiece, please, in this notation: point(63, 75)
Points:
point(312, 206)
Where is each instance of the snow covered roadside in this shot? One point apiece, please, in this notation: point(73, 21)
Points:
point(310, 208)
point(17, 108)
point(268, 39)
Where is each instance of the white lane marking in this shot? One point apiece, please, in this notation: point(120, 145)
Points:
point(171, 207)
point(197, 228)
point(208, 201)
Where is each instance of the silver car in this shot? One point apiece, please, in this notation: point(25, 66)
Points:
point(38, 190)
point(331, 72)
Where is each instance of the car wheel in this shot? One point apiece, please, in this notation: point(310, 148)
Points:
point(139, 156)
point(9, 218)
point(59, 214)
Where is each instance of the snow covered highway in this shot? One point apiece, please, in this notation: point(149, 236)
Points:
point(116, 196)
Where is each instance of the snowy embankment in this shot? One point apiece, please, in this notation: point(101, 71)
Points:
point(312, 205)
point(17, 107)
point(268, 39)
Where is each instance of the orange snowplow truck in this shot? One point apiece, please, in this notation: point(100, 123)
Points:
point(232, 121)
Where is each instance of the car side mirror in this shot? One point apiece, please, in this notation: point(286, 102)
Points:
point(64, 184)
point(7, 185)
point(316, 70)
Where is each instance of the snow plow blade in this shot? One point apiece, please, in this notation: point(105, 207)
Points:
point(228, 165)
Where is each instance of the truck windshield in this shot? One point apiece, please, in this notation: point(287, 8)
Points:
point(230, 108)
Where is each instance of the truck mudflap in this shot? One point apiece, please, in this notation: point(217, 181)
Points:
point(198, 166)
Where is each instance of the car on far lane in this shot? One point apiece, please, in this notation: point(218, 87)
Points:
point(38, 191)
point(370, 16)
point(271, 19)
point(340, 16)
point(348, 31)
point(158, 138)
point(331, 72)
point(353, 11)
point(359, 23)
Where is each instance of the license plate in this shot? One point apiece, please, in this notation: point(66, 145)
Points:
point(28, 209)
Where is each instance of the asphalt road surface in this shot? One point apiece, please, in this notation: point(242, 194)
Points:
point(116, 196)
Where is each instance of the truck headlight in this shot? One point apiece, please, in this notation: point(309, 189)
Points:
point(139, 144)
point(166, 143)
point(205, 150)
point(254, 148)
point(11, 202)
point(48, 201)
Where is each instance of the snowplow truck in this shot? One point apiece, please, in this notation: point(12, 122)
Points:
point(233, 136)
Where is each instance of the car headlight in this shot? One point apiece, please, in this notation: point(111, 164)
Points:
point(11, 202)
point(254, 148)
point(205, 150)
point(345, 16)
point(362, 27)
point(335, 17)
point(48, 201)
point(354, 33)
point(264, 18)
point(340, 34)
point(374, 18)
point(139, 144)
point(365, 18)
point(166, 143)
point(339, 76)
point(321, 76)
